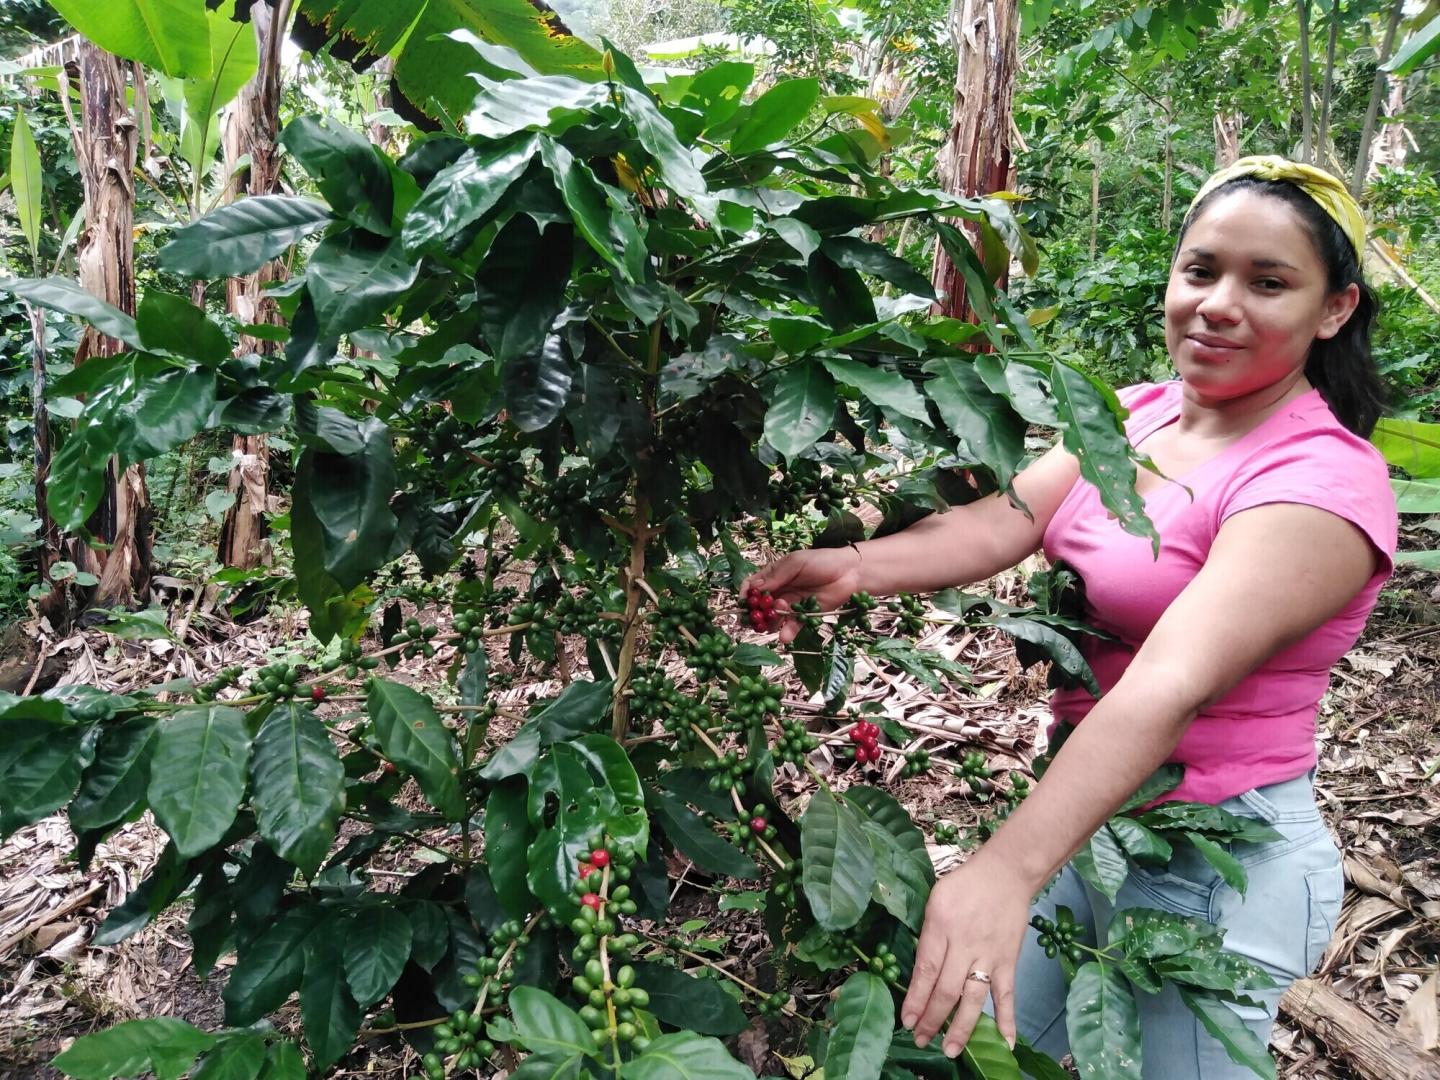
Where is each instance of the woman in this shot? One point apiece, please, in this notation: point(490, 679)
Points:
point(1277, 529)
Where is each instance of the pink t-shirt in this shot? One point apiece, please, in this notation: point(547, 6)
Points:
point(1263, 730)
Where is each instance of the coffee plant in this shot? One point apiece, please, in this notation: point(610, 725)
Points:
point(607, 337)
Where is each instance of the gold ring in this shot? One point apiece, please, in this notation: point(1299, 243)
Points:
point(980, 976)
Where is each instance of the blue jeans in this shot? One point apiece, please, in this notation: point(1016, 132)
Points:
point(1283, 923)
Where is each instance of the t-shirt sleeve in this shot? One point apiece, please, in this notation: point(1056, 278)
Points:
point(1331, 470)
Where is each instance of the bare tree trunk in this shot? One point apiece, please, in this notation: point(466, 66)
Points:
point(105, 153)
point(1307, 126)
point(1322, 137)
point(1227, 138)
point(1392, 145)
point(251, 127)
point(1167, 194)
point(975, 159)
point(1372, 110)
point(54, 605)
point(1096, 158)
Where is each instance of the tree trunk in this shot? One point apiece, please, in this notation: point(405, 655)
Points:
point(1096, 159)
point(105, 154)
point(54, 604)
point(1322, 136)
point(1362, 159)
point(1307, 126)
point(1392, 146)
point(975, 159)
point(1227, 138)
point(1167, 194)
point(251, 127)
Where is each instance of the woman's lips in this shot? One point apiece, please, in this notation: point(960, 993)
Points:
point(1209, 341)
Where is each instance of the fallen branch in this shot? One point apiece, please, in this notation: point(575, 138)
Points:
point(1371, 1047)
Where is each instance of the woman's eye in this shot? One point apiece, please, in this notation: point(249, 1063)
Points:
point(1271, 284)
point(1197, 271)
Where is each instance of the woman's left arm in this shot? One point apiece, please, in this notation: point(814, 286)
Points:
point(1274, 574)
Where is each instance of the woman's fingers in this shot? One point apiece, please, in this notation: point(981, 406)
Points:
point(973, 993)
point(1003, 991)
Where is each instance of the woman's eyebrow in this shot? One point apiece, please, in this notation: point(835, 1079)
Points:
point(1259, 264)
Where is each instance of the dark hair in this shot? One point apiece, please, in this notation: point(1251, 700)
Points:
point(1340, 367)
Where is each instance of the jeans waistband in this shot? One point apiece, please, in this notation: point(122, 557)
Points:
point(1289, 800)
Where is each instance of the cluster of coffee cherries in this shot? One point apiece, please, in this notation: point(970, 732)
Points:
point(947, 832)
point(911, 610)
point(458, 1036)
point(866, 737)
point(1060, 936)
point(858, 609)
point(415, 638)
point(610, 1004)
point(760, 606)
point(785, 882)
point(917, 762)
point(752, 698)
point(773, 1004)
point(681, 712)
point(276, 681)
point(469, 626)
point(503, 470)
point(622, 992)
point(710, 655)
point(230, 676)
point(581, 614)
point(795, 743)
point(973, 768)
point(883, 962)
point(749, 834)
point(728, 770)
point(352, 659)
point(676, 612)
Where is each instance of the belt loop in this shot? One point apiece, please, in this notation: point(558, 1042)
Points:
point(1264, 809)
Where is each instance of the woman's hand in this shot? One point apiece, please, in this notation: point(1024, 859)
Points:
point(974, 923)
point(831, 575)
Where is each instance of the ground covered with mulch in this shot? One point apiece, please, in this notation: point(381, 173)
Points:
point(1378, 785)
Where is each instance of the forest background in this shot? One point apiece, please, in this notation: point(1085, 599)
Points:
point(1114, 114)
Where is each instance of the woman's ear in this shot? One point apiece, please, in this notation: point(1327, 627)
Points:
point(1339, 306)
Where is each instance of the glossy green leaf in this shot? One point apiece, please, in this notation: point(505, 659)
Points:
point(352, 281)
point(466, 190)
point(351, 176)
point(172, 324)
point(197, 774)
point(26, 183)
point(838, 869)
point(774, 114)
point(329, 1012)
point(886, 388)
point(602, 224)
point(413, 736)
point(170, 36)
point(987, 1056)
point(676, 164)
point(377, 945)
point(900, 885)
point(341, 508)
point(298, 784)
point(235, 1057)
point(1412, 445)
point(115, 783)
point(801, 407)
point(42, 755)
point(1164, 779)
point(545, 1025)
point(1104, 1024)
point(1092, 432)
point(684, 1055)
point(166, 411)
point(697, 841)
point(841, 294)
point(1141, 844)
point(537, 385)
point(164, 1045)
point(160, 888)
point(520, 287)
point(532, 104)
point(861, 1028)
point(1055, 645)
point(1102, 862)
point(856, 254)
point(64, 295)
point(1226, 865)
point(283, 1062)
point(269, 968)
point(508, 836)
point(982, 419)
point(241, 237)
point(1415, 50)
point(683, 1001)
point(1222, 1022)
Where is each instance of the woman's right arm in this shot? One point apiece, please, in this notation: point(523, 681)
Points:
point(962, 545)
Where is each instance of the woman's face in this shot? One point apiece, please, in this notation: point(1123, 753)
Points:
point(1247, 297)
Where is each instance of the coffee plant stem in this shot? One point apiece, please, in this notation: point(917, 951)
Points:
point(409, 1025)
point(610, 339)
point(704, 737)
point(479, 1008)
point(639, 539)
point(789, 1010)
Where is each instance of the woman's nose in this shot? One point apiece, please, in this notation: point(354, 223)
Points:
point(1221, 302)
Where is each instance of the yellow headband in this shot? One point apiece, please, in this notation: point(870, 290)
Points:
point(1329, 194)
